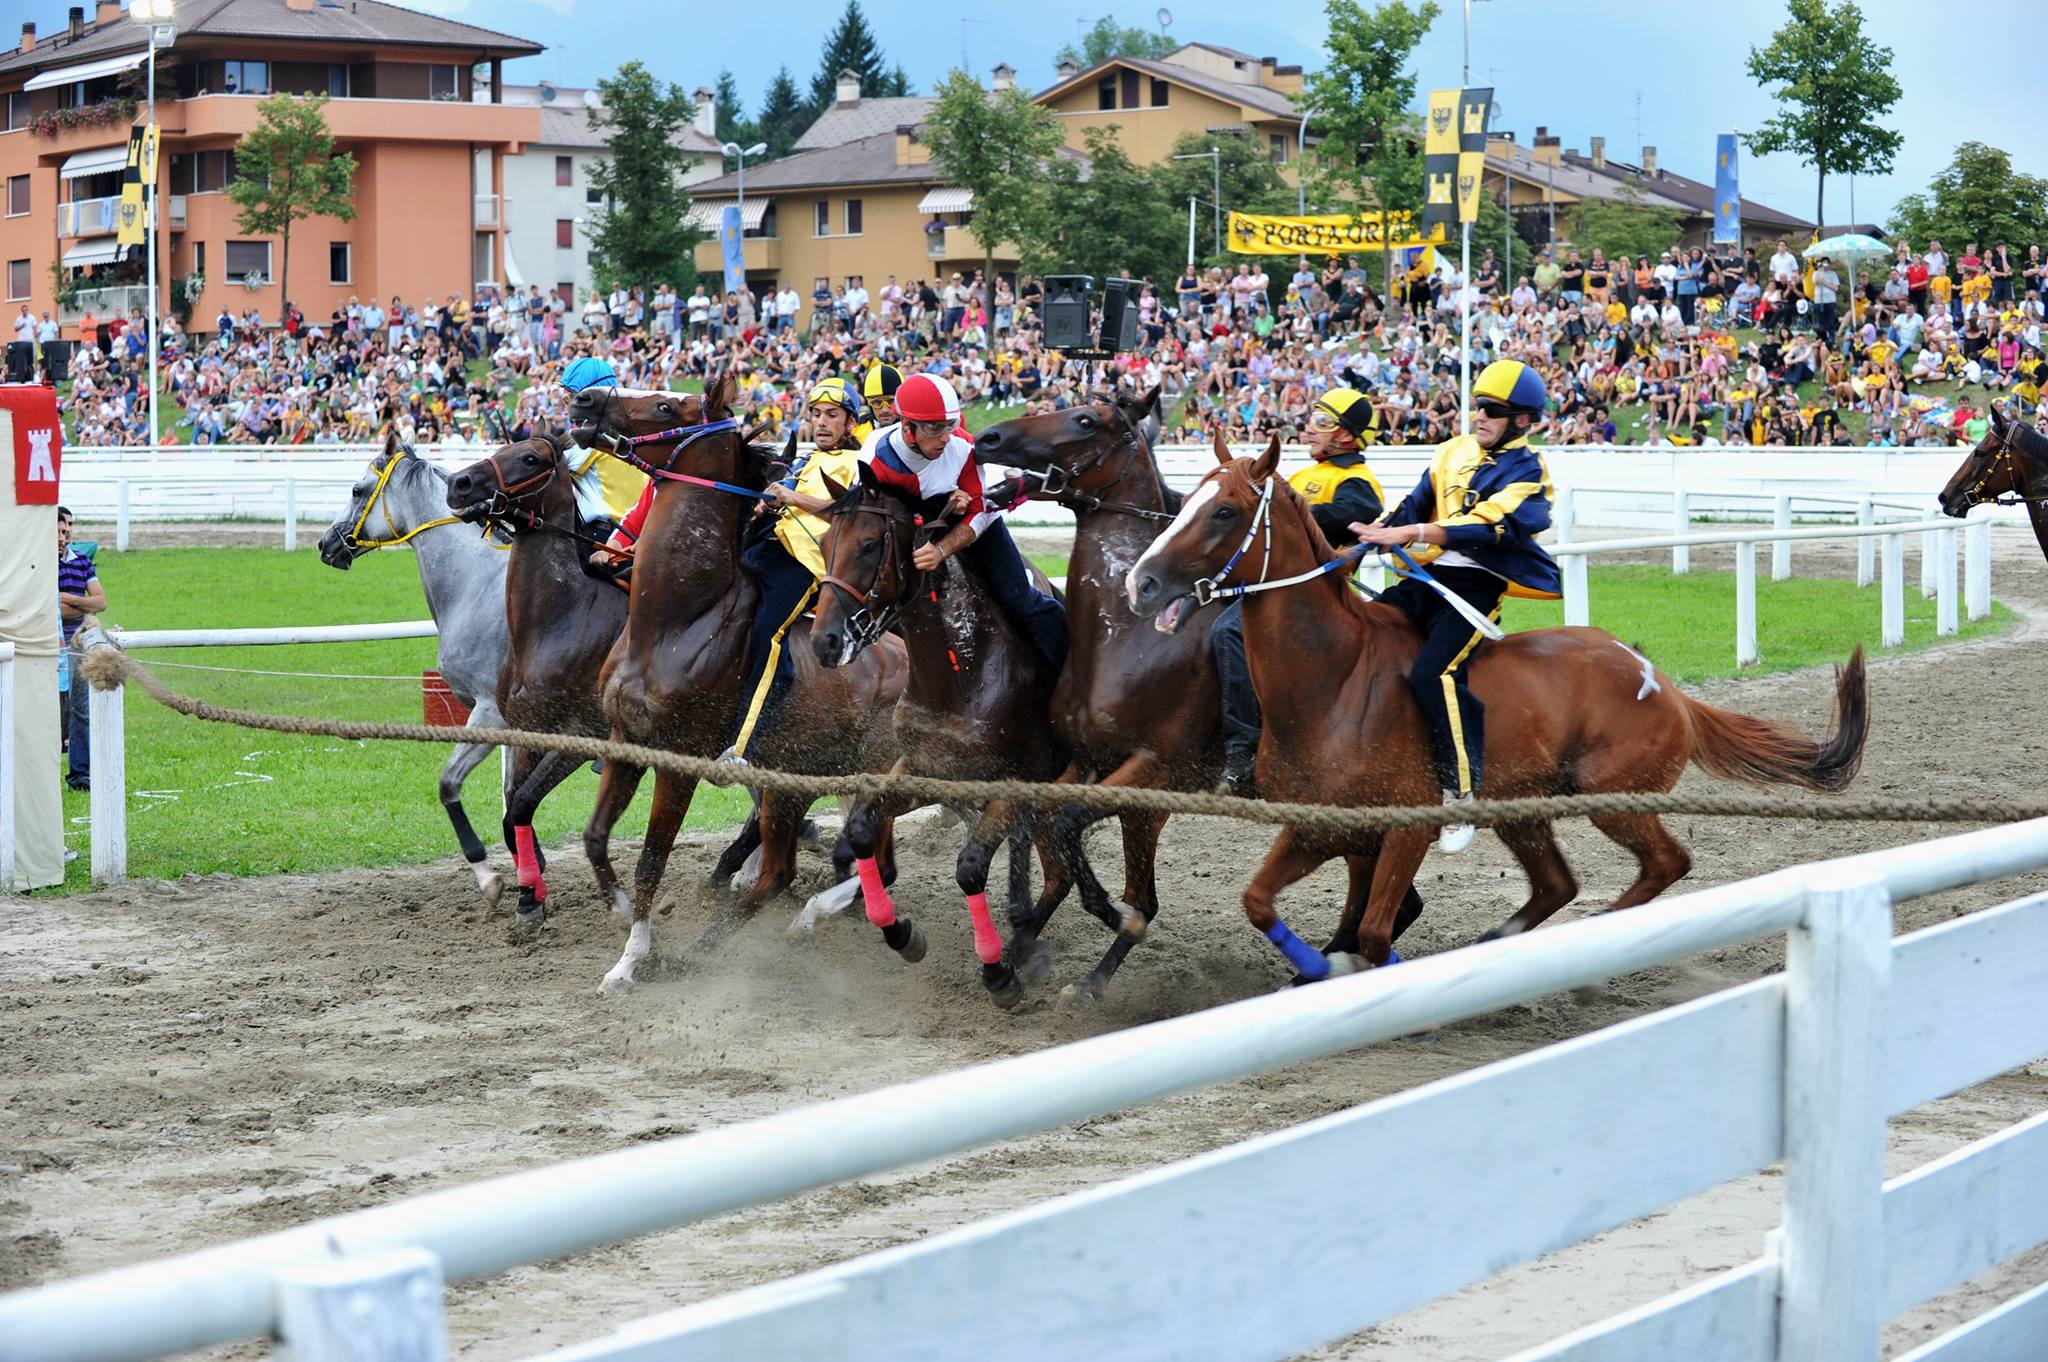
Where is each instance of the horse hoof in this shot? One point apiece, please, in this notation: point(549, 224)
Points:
point(491, 885)
point(1131, 926)
point(614, 984)
point(1080, 996)
point(808, 833)
point(529, 917)
point(1031, 959)
point(913, 947)
point(1005, 989)
point(1343, 962)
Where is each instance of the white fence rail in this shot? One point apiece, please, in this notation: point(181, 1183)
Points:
point(1246, 1252)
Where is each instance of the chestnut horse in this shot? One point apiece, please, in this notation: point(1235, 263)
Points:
point(1568, 711)
point(2009, 465)
point(1135, 706)
point(674, 678)
point(974, 710)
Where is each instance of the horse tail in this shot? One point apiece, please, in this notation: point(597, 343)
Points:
point(1760, 752)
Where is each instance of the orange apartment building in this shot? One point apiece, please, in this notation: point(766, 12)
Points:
point(430, 163)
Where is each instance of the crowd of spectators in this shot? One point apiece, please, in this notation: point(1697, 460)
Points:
point(1692, 348)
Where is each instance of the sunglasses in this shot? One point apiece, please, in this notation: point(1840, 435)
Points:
point(931, 427)
point(1492, 409)
point(1321, 420)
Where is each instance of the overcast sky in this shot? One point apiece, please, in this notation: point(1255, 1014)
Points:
point(1580, 67)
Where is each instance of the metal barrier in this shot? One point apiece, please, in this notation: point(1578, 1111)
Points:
point(1245, 1253)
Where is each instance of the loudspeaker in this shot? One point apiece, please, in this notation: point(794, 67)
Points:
point(1066, 310)
point(57, 359)
point(21, 361)
point(1119, 316)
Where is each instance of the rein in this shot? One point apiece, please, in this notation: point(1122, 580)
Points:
point(354, 540)
point(2009, 460)
point(1209, 589)
point(622, 447)
point(867, 624)
point(1056, 483)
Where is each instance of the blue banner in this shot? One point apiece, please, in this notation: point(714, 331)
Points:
point(733, 247)
point(1727, 196)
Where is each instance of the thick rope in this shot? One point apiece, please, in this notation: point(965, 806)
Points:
point(106, 667)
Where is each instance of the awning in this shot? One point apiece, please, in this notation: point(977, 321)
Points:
point(93, 250)
point(512, 274)
point(946, 199)
point(92, 70)
point(704, 214)
point(95, 162)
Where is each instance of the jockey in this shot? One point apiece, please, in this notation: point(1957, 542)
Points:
point(1340, 489)
point(878, 389)
point(789, 564)
point(928, 455)
point(1475, 516)
point(618, 484)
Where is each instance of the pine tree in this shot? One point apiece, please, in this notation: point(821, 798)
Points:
point(644, 235)
point(851, 46)
point(731, 116)
point(898, 83)
point(783, 115)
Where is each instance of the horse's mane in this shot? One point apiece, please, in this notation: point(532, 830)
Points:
point(2031, 442)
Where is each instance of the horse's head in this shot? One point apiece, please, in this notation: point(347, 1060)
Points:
point(376, 515)
point(1204, 542)
point(868, 569)
point(522, 479)
point(607, 417)
point(1074, 449)
point(1991, 470)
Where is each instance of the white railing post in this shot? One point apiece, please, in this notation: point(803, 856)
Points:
point(1578, 608)
point(1945, 583)
point(291, 514)
point(1866, 547)
point(1781, 550)
point(1893, 591)
point(381, 1305)
point(7, 776)
point(1681, 524)
point(108, 746)
point(1567, 517)
point(1977, 563)
point(1745, 604)
point(121, 518)
point(1838, 964)
point(1928, 546)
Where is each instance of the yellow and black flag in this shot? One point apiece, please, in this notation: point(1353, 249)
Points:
point(129, 222)
point(1475, 108)
point(1440, 161)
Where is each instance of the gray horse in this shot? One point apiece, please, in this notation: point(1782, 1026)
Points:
point(403, 499)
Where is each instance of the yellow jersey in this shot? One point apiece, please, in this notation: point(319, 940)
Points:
point(802, 533)
point(618, 481)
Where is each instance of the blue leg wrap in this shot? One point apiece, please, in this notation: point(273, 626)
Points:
point(1308, 962)
point(1393, 957)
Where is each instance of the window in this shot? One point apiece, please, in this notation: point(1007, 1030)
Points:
point(1277, 142)
point(568, 292)
point(17, 195)
point(593, 195)
point(1130, 89)
point(337, 81)
point(17, 110)
point(17, 279)
point(444, 82)
point(821, 285)
point(249, 257)
point(245, 78)
point(565, 171)
point(822, 223)
point(215, 171)
point(1105, 93)
point(853, 217)
point(565, 232)
point(338, 263)
point(1158, 93)
point(199, 257)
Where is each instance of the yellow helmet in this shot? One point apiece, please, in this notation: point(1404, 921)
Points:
point(881, 380)
point(1512, 382)
point(1352, 410)
point(836, 392)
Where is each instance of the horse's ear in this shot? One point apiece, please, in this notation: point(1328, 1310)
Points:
point(1141, 407)
point(869, 483)
point(392, 444)
point(718, 396)
point(2000, 418)
point(833, 491)
point(1263, 466)
point(1222, 448)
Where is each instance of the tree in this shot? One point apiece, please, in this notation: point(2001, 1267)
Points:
point(897, 85)
point(729, 116)
point(1627, 225)
point(1110, 39)
point(286, 170)
point(1369, 152)
point(1117, 218)
point(1251, 183)
point(1491, 228)
point(996, 145)
point(1980, 198)
point(1833, 85)
point(783, 115)
point(850, 46)
point(643, 236)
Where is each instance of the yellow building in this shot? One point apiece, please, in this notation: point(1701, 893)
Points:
point(1200, 89)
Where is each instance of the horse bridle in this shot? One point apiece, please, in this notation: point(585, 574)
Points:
point(680, 437)
point(1057, 481)
point(499, 510)
point(866, 624)
point(352, 538)
point(2010, 460)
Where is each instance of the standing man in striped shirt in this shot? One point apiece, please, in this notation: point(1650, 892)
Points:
point(79, 595)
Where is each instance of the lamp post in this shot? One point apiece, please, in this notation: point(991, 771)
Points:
point(740, 191)
point(159, 17)
point(1300, 171)
point(1215, 158)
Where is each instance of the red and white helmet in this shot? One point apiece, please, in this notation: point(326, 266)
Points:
point(927, 397)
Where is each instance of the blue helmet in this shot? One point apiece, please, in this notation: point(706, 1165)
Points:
point(589, 372)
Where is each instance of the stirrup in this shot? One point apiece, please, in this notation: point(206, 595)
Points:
point(731, 757)
point(1453, 838)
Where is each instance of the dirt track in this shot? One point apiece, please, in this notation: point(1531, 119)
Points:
point(242, 1056)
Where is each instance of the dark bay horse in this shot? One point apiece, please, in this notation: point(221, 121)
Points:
point(975, 708)
point(1136, 707)
point(2010, 464)
point(674, 678)
point(1568, 711)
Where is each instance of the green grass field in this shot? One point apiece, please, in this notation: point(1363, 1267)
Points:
point(208, 798)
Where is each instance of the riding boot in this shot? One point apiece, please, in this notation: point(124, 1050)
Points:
point(1241, 717)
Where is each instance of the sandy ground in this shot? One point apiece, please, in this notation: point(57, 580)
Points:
point(185, 1063)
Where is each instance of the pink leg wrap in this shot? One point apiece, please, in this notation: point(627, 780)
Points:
point(987, 944)
point(881, 910)
point(528, 863)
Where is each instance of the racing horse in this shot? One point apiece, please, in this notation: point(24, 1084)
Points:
point(674, 678)
point(1135, 707)
point(1568, 711)
point(975, 709)
point(402, 499)
point(2009, 465)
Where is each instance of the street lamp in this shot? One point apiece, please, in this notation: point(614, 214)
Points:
point(1301, 171)
point(1214, 156)
point(159, 17)
point(740, 193)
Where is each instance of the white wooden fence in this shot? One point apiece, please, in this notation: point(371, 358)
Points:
point(1307, 1235)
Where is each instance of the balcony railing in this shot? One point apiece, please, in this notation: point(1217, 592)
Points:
point(89, 217)
point(177, 210)
point(488, 210)
point(115, 300)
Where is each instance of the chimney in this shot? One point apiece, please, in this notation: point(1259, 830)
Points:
point(28, 35)
point(108, 12)
point(707, 111)
point(1005, 78)
point(847, 91)
point(1650, 162)
point(1599, 153)
point(77, 25)
point(1067, 70)
point(1544, 148)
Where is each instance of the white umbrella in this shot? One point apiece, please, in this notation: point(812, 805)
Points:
point(1847, 246)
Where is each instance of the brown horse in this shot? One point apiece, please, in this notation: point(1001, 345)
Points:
point(2009, 465)
point(1136, 707)
point(974, 709)
point(1567, 711)
point(674, 678)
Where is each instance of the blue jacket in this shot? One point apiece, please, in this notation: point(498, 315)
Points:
point(1492, 506)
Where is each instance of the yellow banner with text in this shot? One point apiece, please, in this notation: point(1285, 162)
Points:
point(1259, 234)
